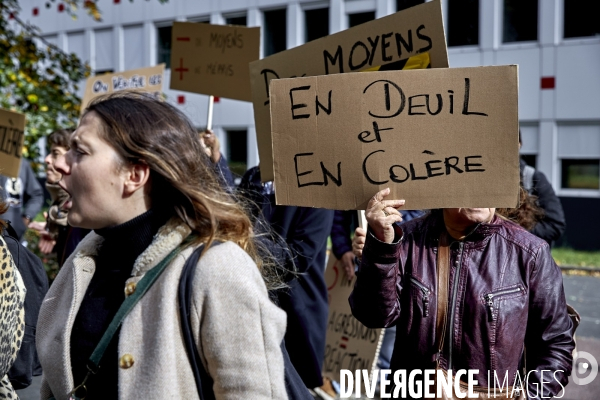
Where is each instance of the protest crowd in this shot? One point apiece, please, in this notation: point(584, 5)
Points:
point(176, 282)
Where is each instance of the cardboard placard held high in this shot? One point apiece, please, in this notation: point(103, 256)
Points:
point(438, 138)
point(213, 59)
point(148, 79)
point(12, 129)
point(383, 44)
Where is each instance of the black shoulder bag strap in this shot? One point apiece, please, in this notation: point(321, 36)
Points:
point(204, 382)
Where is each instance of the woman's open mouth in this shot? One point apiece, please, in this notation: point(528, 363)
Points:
point(68, 202)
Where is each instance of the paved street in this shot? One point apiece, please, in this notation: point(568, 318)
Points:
point(583, 293)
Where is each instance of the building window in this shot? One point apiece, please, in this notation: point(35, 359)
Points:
point(240, 20)
point(580, 174)
point(463, 22)
point(316, 24)
point(76, 44)
point(52, 39)
point(134, 47)
point(579, 20)
point(520, 21)
point(275, 31)
point(360, 18)
point(103, 71)
point(237, 151)
point(404, 4)
point(529, 138)
point(530, 159)
point(163, 41)
point(104, 51)
point(579, 154)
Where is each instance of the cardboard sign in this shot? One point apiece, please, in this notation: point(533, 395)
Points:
point(213, 59)
point(140, 80)
point(348, 343)
point(383, 44)
point(12, 134)
point(437, 138)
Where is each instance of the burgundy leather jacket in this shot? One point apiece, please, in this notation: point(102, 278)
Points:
point(505, 295)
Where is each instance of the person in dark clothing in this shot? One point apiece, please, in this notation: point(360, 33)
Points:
point(305, 230)
point(25, 197)
point(553, 224)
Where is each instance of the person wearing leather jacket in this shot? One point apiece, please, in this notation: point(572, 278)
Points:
point(506, 301)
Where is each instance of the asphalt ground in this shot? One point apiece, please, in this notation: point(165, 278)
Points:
point(582, 292)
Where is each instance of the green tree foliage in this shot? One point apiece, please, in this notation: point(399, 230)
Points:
point(37, 78)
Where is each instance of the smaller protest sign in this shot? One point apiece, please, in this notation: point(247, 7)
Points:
point(12, 134)
point(148, 79)
point(213, 59)
point(348, 343)
point(445, 137)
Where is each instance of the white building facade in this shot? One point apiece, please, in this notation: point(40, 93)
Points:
point(556, 44)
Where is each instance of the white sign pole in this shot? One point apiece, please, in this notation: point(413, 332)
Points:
point(211, 102)
point(362, 220)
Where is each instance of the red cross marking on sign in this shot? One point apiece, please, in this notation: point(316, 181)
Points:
point(181, 70)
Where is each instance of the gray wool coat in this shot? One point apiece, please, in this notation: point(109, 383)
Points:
point(237, 329)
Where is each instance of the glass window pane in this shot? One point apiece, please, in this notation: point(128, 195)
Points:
point(104, 50)
point(579, 140)
point(404, 4)
point(241, 20)
point(316, 24)
point(463, 22)
point(134, 47)
point(579, 20)
point(275, 34)
point(360, 18)
point(164, 45)
point(237, 151)
point(76, 44)
point(580, 174)
point(520, 21)
point(530, 159)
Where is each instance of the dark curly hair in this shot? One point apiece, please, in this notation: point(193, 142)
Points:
point(527, 214)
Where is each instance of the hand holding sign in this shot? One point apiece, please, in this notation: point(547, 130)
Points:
point(382, 215)
point(211, 144)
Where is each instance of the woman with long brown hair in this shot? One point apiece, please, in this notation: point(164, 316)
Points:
point(138, 177)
